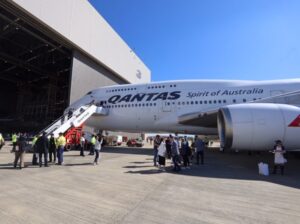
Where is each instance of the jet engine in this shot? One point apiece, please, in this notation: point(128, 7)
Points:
point(256, 126)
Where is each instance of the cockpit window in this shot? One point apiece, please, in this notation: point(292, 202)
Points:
point(89, 93)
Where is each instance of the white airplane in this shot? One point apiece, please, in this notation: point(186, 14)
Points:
point(248, 115)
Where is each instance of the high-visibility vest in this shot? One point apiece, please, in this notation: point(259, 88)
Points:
point(61, 141)
point(34, 141)
point(93, 140)
point(14, 138)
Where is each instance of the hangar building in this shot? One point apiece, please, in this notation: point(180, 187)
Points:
point(51, 53)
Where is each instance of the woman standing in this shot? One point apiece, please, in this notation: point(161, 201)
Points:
point(162, 152)
point(279, 159)
point(98, 144)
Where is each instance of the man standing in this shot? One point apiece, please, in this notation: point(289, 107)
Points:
point(82, 144)
point(175, 154)
point(199, 147)
point(19, 151)
point(61, 143)
point(157, 142)
point(52, 149)
point(42, 145)
point(93, 143)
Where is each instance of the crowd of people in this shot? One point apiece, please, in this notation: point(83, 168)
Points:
point(48, 149)
point(181, 151)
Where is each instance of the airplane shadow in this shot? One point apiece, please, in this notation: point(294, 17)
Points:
point(240, 166)
point(132, 167)
point(128, 150)
point(79, 164)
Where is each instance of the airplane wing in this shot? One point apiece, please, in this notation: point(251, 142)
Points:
point(209, 118)
point(291, 98)
point(204, 119)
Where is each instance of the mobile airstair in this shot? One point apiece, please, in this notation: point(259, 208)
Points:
point(74, 119)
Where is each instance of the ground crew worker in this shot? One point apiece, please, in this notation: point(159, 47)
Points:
point(52, 149)
point(19, 151)
point(14, 139)
point(61, 143)
point(93, 143)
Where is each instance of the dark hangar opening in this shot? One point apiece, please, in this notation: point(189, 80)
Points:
point(35, 72)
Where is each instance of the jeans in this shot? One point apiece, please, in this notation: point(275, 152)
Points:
point(19, 155)
point(186, 160)
point(45, 158)
point(52, 151)
point(82, 149)
point(155, 152)
point(200, 153)
point(97, 156)
point(92, 149)
point(60, 154)
point(176, 162)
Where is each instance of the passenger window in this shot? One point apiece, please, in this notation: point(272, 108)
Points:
point(215, 101)
point(205, 102)
point(234, 101)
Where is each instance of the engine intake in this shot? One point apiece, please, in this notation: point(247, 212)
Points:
point(256, 126)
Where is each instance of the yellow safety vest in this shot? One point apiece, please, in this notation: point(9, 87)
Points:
point(14, 138)
point(34, 141)
point(93, 140)
point(61, 141)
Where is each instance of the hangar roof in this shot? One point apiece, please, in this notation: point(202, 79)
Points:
point(77, 22)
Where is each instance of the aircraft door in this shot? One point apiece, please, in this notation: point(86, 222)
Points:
point(168, 106)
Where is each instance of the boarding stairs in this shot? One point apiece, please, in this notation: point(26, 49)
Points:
point(74, 119)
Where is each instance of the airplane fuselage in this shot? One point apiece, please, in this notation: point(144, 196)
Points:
point(155, 107)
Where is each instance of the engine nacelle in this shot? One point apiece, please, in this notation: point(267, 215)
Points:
point(256, 126)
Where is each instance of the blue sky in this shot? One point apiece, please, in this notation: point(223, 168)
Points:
point(210, 39)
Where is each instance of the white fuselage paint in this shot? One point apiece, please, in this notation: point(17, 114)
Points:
point(158, 105)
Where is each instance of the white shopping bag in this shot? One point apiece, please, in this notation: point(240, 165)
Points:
point(263, 169)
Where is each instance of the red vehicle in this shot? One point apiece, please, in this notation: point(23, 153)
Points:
point(135, 143)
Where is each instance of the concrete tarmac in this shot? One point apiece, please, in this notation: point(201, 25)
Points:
point(126, 188)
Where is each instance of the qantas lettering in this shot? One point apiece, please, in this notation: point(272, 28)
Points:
point(147, 96)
